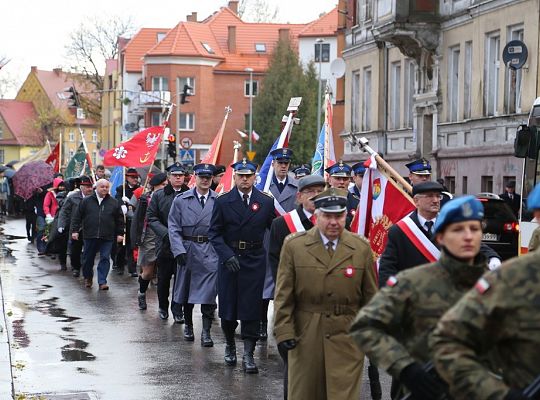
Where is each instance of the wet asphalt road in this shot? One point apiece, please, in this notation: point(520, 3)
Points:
point(69, 342)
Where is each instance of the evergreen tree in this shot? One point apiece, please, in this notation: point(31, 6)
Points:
point(285, 78)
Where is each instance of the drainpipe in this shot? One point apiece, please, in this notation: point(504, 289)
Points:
point(385, 104)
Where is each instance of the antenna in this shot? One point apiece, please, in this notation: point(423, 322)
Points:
point(337, 68)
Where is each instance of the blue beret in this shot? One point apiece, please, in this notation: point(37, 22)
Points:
point(281, 154)
point(466, 208)
point(339, 169)
point(332, 200)
point(359, 168)
point(419, 167)
point(244, 167)
point(533, 201)
point(176, 168)
point(204, 169)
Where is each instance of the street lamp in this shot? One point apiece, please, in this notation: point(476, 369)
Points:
point(320, 41)
point(250, 70)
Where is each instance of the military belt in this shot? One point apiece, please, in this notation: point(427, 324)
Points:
point(197, 239)
point(336, 309)
point(241, 245)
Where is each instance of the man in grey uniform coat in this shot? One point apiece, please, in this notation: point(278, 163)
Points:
point(197, 261)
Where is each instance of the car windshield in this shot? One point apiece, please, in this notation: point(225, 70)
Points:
point(498, 210)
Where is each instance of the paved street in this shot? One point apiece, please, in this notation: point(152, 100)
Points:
point(69, 342)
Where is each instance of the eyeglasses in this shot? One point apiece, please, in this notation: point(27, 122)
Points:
point(431, 196)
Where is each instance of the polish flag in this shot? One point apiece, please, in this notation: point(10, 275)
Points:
point(254, 135)
point(382, 204)
point(54, 158)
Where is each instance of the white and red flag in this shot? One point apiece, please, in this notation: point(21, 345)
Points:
point(54, 158)
point(138, 151)
point(382, 204)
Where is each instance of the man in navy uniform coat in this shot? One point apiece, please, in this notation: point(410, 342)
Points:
point(339, 178)
point(283, 187)
point(239, 221)
point(358, 171)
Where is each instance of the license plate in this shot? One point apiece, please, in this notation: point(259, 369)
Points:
point(490, 236)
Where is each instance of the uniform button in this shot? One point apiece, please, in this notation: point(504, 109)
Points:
point(327, 336)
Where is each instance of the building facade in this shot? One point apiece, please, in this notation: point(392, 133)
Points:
point(426, 78)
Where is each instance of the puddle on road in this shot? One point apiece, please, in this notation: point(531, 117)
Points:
point(49, 307)
point(19, 334)
point(75, 351)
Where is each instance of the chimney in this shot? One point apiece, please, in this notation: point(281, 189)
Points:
point(284, 34)
point(192, 17)
point(233, 6)
point(57, 71)
point(231, 39)
point(33, 69)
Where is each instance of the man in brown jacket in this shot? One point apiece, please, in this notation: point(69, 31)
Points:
point(325, 276)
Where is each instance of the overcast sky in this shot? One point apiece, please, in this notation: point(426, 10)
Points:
point(36, 32)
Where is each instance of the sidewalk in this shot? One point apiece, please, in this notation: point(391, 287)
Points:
point(6, 377)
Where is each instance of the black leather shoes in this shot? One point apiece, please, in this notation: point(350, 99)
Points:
point(179, 318)
point(248, 361)
point(163, 314)
point(76, 273)
point(142, 301)
point(133, 274)
point(230, 354)
point(263, 331)
point(206, 339)
point(188, 333)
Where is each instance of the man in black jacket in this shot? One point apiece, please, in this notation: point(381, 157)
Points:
point(100, 218)
point(158, 218)
point(511, 197)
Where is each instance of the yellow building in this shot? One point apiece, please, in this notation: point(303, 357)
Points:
point(48, 91)
point(111, 107)
point(19, 137)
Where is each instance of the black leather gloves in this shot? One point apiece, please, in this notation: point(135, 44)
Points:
point(422, 385)
point(233, 264)
point(181, 259)
point(287, 344)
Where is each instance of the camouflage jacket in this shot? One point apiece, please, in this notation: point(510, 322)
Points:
point(393, 328)
point(502, 314)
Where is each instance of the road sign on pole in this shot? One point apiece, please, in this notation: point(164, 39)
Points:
point(186, 143)
point(187, 157)
point(251, 155)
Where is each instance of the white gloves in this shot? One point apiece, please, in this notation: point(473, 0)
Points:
point(49, 218)
point(124, 209)
point(125, 199)
point(494, 263)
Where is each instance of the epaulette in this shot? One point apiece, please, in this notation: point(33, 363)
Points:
point(355, 196)
point(268, 194)
point(294, 235)
point(222, 193)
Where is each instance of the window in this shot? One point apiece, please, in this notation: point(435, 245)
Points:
point(486, 184)
point(260, 47)
point(182, 81)
point(94, 136)
point(490, 135)
point(453, 83)
point(355, 102)
point(2, 156)
point(450, 183)
point(94, 157)
point(160, 83)
point(491, 73)
point(467, 138)
point(187, 122)
point(409, 92)
point(384, 7)
point(395, 100)
point(464, 184)
point(366, 101)
point(513, 78)
point(452, 140)
point(207, 47)
point(156, 119)
point(322, 52)
point(71, 136)
point(467, 89)
point(364, 10)
point(255, 88)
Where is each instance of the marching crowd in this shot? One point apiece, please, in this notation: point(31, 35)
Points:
point(448, 328)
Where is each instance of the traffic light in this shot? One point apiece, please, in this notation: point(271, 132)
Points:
point(186, 93)
point(73, 99)
point(171, 147)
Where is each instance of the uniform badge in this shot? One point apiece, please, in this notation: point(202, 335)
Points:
point(482, 286)
point(353, 211)
point(349, 271)
point(255, 207)
point(392, 281)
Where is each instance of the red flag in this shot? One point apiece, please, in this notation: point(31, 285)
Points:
point(54, 158)
point(226, 182)
point(382, 204)
point(138, 151)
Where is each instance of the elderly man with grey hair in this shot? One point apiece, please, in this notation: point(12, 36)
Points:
point(101, 221)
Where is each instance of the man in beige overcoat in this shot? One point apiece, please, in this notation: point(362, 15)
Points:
point(325, 276)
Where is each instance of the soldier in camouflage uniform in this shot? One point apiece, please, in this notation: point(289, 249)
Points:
point(501, 313)
point(393, 328)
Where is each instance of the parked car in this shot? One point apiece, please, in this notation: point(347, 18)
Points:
point(500, 226)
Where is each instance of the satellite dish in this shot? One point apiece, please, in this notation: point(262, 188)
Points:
point(337, 68)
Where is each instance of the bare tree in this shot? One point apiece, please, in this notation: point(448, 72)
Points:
point(258, 11)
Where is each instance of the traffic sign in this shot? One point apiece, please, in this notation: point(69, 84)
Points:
point(186, 143)
point(515, 54)
point(187, 157)
point(251, 155)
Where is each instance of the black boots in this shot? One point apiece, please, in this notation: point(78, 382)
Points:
point(188, 333)
point(230, 348)
point(206, 339)
point(142, 300)
point(248, 362)
point(263, 331)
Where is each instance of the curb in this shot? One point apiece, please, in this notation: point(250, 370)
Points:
point(6, 376)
